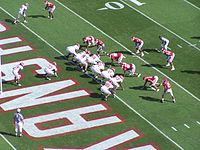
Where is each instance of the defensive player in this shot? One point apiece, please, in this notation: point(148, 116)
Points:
point(50, 7)
point(164, 43)
point(50, 70)
point(167, 89)
point(170, 57)
point(72, 50)
point(153, 82)
point(22, 12)
point(89, 41)
point(18, 121)
point(117, 57)
point(16, 72)
point(117, 82)
point(130, 69)
point(138, 45)
point(100, 46)
point(107, 90)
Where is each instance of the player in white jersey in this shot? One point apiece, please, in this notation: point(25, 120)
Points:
point(117, 82)
point(18, 121)
point(164, 43)
point(108, 74)
point(72, 50)
point(50, 70)
point(93, 59)
point(107, 90)
point(97, 69)
point(16, 72)
point(22, 12)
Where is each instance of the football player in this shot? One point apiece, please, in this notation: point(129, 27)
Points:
point(138, 45)
point(108, 74)
point(130, 69)
point(167, 89)
point(97, 69)
point(164, 43)
point(117, 82)
point(153, 82)
point(117, 57)
point(170, 57)
point(107, 90)
point(100, 46)
point(72, 50)
point(50, 70)
point(16, 72)
point(22, 12)
point(50, 7)
point(89, 41)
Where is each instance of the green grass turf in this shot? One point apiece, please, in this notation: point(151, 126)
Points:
point(68, 29)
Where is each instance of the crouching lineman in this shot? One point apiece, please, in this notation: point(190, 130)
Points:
point(153, 82)
point(50, 70)
point(167, 89)
point(138, 45)
point(164, 43)
point(170, 57)
point(130, 69)
point(72, 50)
point(108, 74)
point(89, 41)
point(16, 72)
point(117, 82)
point(97, 69)
point(107, 90)
point(117, 57)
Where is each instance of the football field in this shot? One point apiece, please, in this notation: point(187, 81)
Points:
point(69, 112)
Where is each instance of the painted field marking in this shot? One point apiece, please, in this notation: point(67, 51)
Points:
point(186, 126)
point(159, 24)
point(8, 142)
point(146, 52)
point(198, 122)
point(174, 128)
point(192, 4)
point(179, 46)
point(127, 49)
point(116, 95)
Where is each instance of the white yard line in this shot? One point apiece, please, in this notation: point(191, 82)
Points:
point(127, 49)
point(192, 4)
point(160, 25)
point(174, 129)
point(116, 95)
point(8, 142)
point(186, 126)
point(198, 122)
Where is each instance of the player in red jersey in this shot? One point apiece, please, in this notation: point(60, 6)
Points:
point(170, 57)
point(100, 46)
point(167, 89)
point(153, 80)
point(117, 57)
point(89, 41)
point(130, 69)
point(50, 7)
point(138, 45)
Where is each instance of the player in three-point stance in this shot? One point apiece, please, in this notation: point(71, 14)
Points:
point(18, 121)
point(100, 46)
point(153, 82)
point(22, 12)
point(107, 90)
point(72, 50)
point(138, 45)
point(16, 72)
point(50, 7)
point(164, 43)
point(167, 89)
point(117, 82)
point(89, 41)
point(130, 69)
point(50, 70)
point(170, 57)
point(116, 57)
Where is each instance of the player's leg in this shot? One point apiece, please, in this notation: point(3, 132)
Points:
point(16, 129)
point(20, 128)
point(162, 100)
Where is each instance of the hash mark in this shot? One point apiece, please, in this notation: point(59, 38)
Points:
point(179, 45)
point(186, 126)
point(174, 128)
point(198, 122)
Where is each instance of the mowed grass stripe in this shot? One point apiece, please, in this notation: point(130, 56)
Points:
point(195, 97)
point(117, 96)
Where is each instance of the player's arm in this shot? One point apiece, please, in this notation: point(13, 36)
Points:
point(55, 73)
